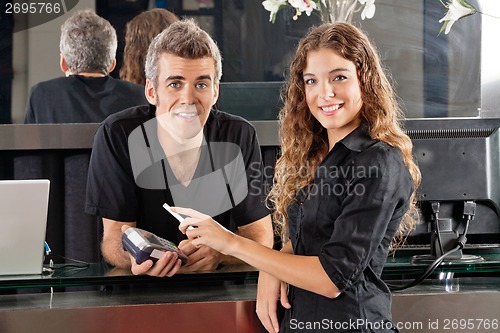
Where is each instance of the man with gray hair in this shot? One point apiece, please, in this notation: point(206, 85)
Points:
point(87, 94)
point(178, 151)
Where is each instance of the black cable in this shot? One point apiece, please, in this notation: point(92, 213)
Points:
point(427, 272)
point(469, 212)
point(435, 209)
point(76, 264)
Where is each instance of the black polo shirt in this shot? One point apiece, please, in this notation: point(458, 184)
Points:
point(133, 187)
point(348, 217)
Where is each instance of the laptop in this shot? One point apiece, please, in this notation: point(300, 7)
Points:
point(23, 223)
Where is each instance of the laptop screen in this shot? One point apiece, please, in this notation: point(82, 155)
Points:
point(23, 223)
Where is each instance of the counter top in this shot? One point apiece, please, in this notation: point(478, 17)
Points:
point(80, 136)
point(96, 274)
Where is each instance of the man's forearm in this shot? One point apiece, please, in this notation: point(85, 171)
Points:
point(113, 253)
point(260, 231)
point(111, 246)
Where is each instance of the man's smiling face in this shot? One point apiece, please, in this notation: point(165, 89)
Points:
point(186, 91)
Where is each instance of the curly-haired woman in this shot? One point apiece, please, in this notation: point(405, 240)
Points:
point(344, 191)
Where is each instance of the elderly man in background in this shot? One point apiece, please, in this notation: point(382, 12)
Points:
point(86, 94)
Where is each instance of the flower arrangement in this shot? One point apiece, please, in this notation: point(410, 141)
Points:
point(457, 9)
point(330, 10)
point(343, 10)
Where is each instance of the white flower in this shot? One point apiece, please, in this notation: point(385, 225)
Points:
point(273, 6)
point(456, 10)
point(369, 9)
point(306, 6)
point(333, 10)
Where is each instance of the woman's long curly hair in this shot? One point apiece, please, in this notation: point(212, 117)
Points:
point(139, 33)
point(304, 142)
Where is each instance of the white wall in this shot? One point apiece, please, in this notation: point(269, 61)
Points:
point(490, 69)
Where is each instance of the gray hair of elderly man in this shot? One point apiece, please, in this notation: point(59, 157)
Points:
point(88, 43)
